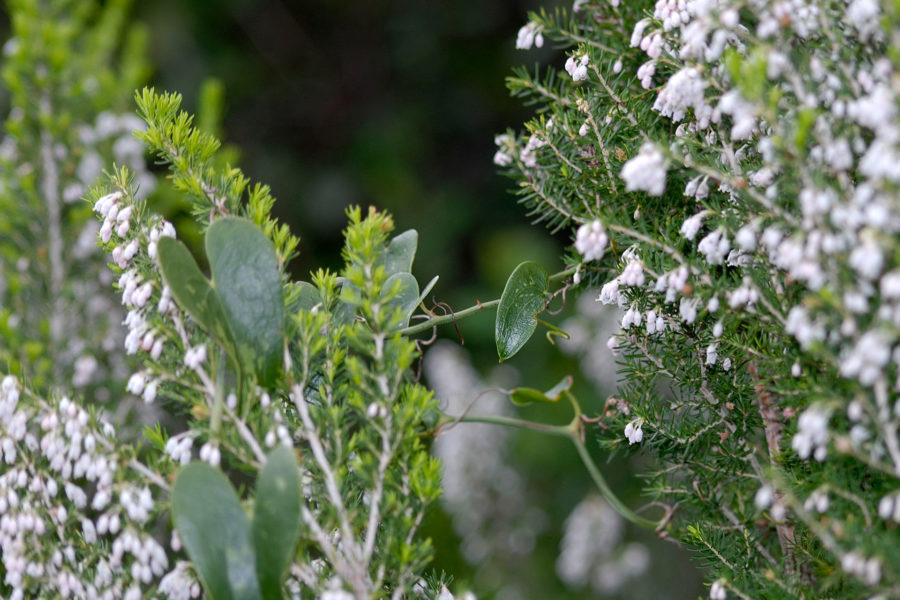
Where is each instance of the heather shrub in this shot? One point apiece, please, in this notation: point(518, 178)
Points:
point(726, 174)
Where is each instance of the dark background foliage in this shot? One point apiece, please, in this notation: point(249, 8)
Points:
point(390, 103)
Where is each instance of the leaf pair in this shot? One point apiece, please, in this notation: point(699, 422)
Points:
point(398, 261)
point(242, 306)
point(525, 296)
point(235, 557)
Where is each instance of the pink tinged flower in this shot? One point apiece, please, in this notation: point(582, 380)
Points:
point(591, 240)
point(633, 433)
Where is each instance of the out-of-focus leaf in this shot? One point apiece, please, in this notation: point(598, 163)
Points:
point(215, 532)
point(407, 298)
point(308, 297)
point(401, 252)
point(276, 520)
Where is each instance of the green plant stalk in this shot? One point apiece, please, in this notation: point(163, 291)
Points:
point(435, 321)
point(556, 430)
point(604, 488)
point(570, 431)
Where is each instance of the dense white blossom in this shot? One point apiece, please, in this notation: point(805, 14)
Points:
point(692, 225)
point(812, 435)
point(646, 171)
point(530, 35)
point(633, 432)
point(684, 90)
point(591, 240)
point(594, 552)
point(577, 67)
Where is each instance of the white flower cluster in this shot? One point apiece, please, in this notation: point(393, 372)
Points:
point(65, 468)
point(530, 35)
point(633, 432)
point(812, 436)
point(684, 90)
point(505, 145)
point(594, 552)
point(180, 583)
point(591, 240)
point(577, 67)
point(646, 172)
point(136, 287)
point(869, 570)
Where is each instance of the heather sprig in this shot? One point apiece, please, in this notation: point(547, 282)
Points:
point(727, 171)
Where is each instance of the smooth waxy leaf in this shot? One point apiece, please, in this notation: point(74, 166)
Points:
point(191, 290)
point(526, 396)
point(407, 298)
point(524, 297)
point(308, 296)
point(401, 252)
point(427, 289)
point(276, 520)
point(215, 532)
point(245, 274)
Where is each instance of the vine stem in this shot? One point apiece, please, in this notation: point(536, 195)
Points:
point(604, 488)
point(435, 321)
point(561, 431)
point(442, 319)
point(571, 432)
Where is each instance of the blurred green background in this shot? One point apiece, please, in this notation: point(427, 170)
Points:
point(391, 103)
point(395, 103)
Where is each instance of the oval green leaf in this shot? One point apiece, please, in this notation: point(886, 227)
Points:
point(407, 298)
point(524, 297)
point(401, 252)
point(276, 520)
point(526, 396)
point(308, 296)
point(245, 274)
point(215, 532)
point(191, 290)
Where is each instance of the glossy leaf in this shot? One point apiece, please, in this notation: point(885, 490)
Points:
point(215, 532)
point(349, 299)
point(407, 298)
point(401, 252)
point(245, 275)
point(308, 297)
point(276, 520)
point(524, 297)
point(526, 396)
point(191, 290)
point(427, 289)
